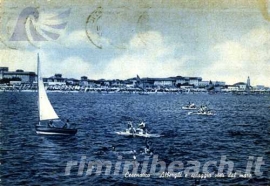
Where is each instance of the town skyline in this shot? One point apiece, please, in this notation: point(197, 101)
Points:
point(136, 77)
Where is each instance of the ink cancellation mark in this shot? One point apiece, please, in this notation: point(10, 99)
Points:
point(93, 25)
point(115, 27)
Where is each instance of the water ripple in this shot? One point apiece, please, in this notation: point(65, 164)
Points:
point(240, 129)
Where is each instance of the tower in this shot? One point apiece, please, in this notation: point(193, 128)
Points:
point(248, 84)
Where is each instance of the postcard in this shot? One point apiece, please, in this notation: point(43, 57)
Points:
point(117, 92)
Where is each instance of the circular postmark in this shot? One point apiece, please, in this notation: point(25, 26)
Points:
point(93, 29)
point(111, 27)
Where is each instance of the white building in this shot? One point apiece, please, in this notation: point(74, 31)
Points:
point(203, 83)
point(241, 86)
point(55, 80)
point(232, 88)
point(163, 82)
point(188, 80)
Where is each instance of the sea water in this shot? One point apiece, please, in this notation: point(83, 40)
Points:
point(238, 131)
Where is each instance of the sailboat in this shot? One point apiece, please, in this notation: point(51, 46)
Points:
point(49, 122)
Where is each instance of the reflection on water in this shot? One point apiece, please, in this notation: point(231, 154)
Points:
point(240, 129)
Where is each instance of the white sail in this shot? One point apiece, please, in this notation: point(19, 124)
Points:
point(46, 111)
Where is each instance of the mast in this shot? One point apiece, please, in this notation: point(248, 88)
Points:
point(38, 75)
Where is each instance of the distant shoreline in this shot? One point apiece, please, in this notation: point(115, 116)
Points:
point(132, 91)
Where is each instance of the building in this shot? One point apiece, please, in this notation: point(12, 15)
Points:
point(194, 81)
point(203, 84)
point(57, 79)
point(91, 83)
point(103, 83)
point(146, 82)
point(183, 86)
point(116, 83)
point(72, 81)
point(128, 84)
point(260, 87)
point(164, 82)
point(84, 81)
point(241, 86)
point(140, 82)
point(219, 83)
point(232, 88)
point(2, 70)
point(18, 75)
point(133, 82)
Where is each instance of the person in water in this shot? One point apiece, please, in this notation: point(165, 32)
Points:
point(50, 124)
point(147, 149)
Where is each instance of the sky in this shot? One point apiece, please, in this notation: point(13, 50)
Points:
point(217, 40)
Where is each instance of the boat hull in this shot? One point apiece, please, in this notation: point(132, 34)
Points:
point(125, 133)
point(203, 114)
point(147, 135)
point(143, 94)
point(206, 114)
point(55, 131)
point(188, 108)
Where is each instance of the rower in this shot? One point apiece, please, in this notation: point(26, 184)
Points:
point(67, 125)
point(131, 129)
point(146, 150)
point(205, 109)
point(201, 109)
point(129, 125)
point(50, 124)
point(142, 125)
point(192, 105)
point(142, 128)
